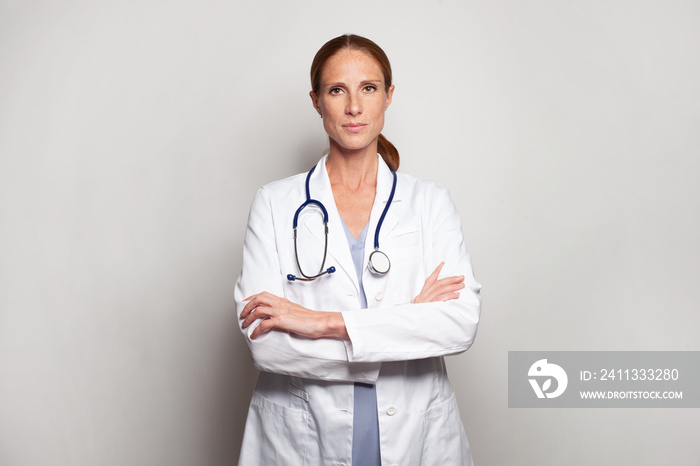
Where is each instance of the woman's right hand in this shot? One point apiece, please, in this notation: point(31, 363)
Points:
point(442, 289)
point(280, 314)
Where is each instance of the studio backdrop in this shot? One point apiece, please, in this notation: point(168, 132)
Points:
point(133, 136)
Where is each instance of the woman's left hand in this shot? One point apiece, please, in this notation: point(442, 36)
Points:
point(443, 289)
point(281, 314)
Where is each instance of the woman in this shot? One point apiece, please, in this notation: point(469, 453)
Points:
point(351, 356)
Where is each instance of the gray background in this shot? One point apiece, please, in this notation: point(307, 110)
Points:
point(133, 136)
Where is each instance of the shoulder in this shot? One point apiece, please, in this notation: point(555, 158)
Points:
point(282, 188)
point(273, 198)
point(432, 204)
point(279, 191)
point(421, 190)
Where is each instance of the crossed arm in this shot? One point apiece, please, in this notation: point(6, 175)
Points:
point(287, 338)
point(280, 314)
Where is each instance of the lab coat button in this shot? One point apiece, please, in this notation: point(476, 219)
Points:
point(379, 296)
point(391, 411)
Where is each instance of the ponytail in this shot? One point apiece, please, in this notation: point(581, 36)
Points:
point(388, 152)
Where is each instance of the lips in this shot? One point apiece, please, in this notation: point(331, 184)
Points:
point(354, 127)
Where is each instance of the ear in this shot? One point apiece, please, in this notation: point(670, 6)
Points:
point(314, 102)
point(389, 95)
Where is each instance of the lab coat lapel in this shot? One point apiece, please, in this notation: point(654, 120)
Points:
point(338, 250)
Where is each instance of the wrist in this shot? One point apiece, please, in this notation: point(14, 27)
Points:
point(335, 325)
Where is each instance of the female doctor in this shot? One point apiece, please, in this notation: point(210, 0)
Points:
point(355, 284)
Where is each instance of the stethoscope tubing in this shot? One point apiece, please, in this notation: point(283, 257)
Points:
point(309, 201)
point(386, 209)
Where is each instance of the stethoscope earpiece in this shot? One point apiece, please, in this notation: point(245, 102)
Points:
point(292, 278)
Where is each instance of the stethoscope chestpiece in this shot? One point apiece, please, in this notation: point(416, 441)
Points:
point(379, 262)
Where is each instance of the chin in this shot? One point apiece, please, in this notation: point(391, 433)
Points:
point(355, 145)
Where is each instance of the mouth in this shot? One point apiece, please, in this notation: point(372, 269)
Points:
point(354, 127)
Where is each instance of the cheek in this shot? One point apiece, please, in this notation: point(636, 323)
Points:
point(379, 119)
point(378, 109)
point(327, 125)
point(330, 112)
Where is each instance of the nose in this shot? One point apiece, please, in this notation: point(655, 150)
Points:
point(353, 105)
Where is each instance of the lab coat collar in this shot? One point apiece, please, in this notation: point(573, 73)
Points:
point(338, 250)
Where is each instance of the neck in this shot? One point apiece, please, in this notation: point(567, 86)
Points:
point(352, 173)
point(353, 169)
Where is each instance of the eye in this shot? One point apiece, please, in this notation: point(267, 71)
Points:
point(369, 88)
point(335, 91)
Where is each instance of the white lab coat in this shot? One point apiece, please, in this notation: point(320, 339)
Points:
point(302, 410)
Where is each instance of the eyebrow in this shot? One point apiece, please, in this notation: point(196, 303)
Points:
point(366, 81)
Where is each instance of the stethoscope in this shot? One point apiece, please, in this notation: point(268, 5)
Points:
point(378, 261)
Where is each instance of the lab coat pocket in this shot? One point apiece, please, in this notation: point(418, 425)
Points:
point(281, 432)
point(444, 439)
point(405, 240)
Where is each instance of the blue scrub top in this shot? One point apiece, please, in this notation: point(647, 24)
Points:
point(365, 426)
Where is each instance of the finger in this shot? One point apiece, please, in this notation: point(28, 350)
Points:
point(248, 308)
point(436, 273)
point(261, 312)
point(441, 285)
point(436, 293)
point(264, 326)
point(253, 302)
point(448, 288)
point(256, 300)
point(253, 316)
point(425, 292)
point(451, 280)
point(448, 296)
point(443, 282)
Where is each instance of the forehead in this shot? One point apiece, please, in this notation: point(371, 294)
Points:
point(351, 65)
